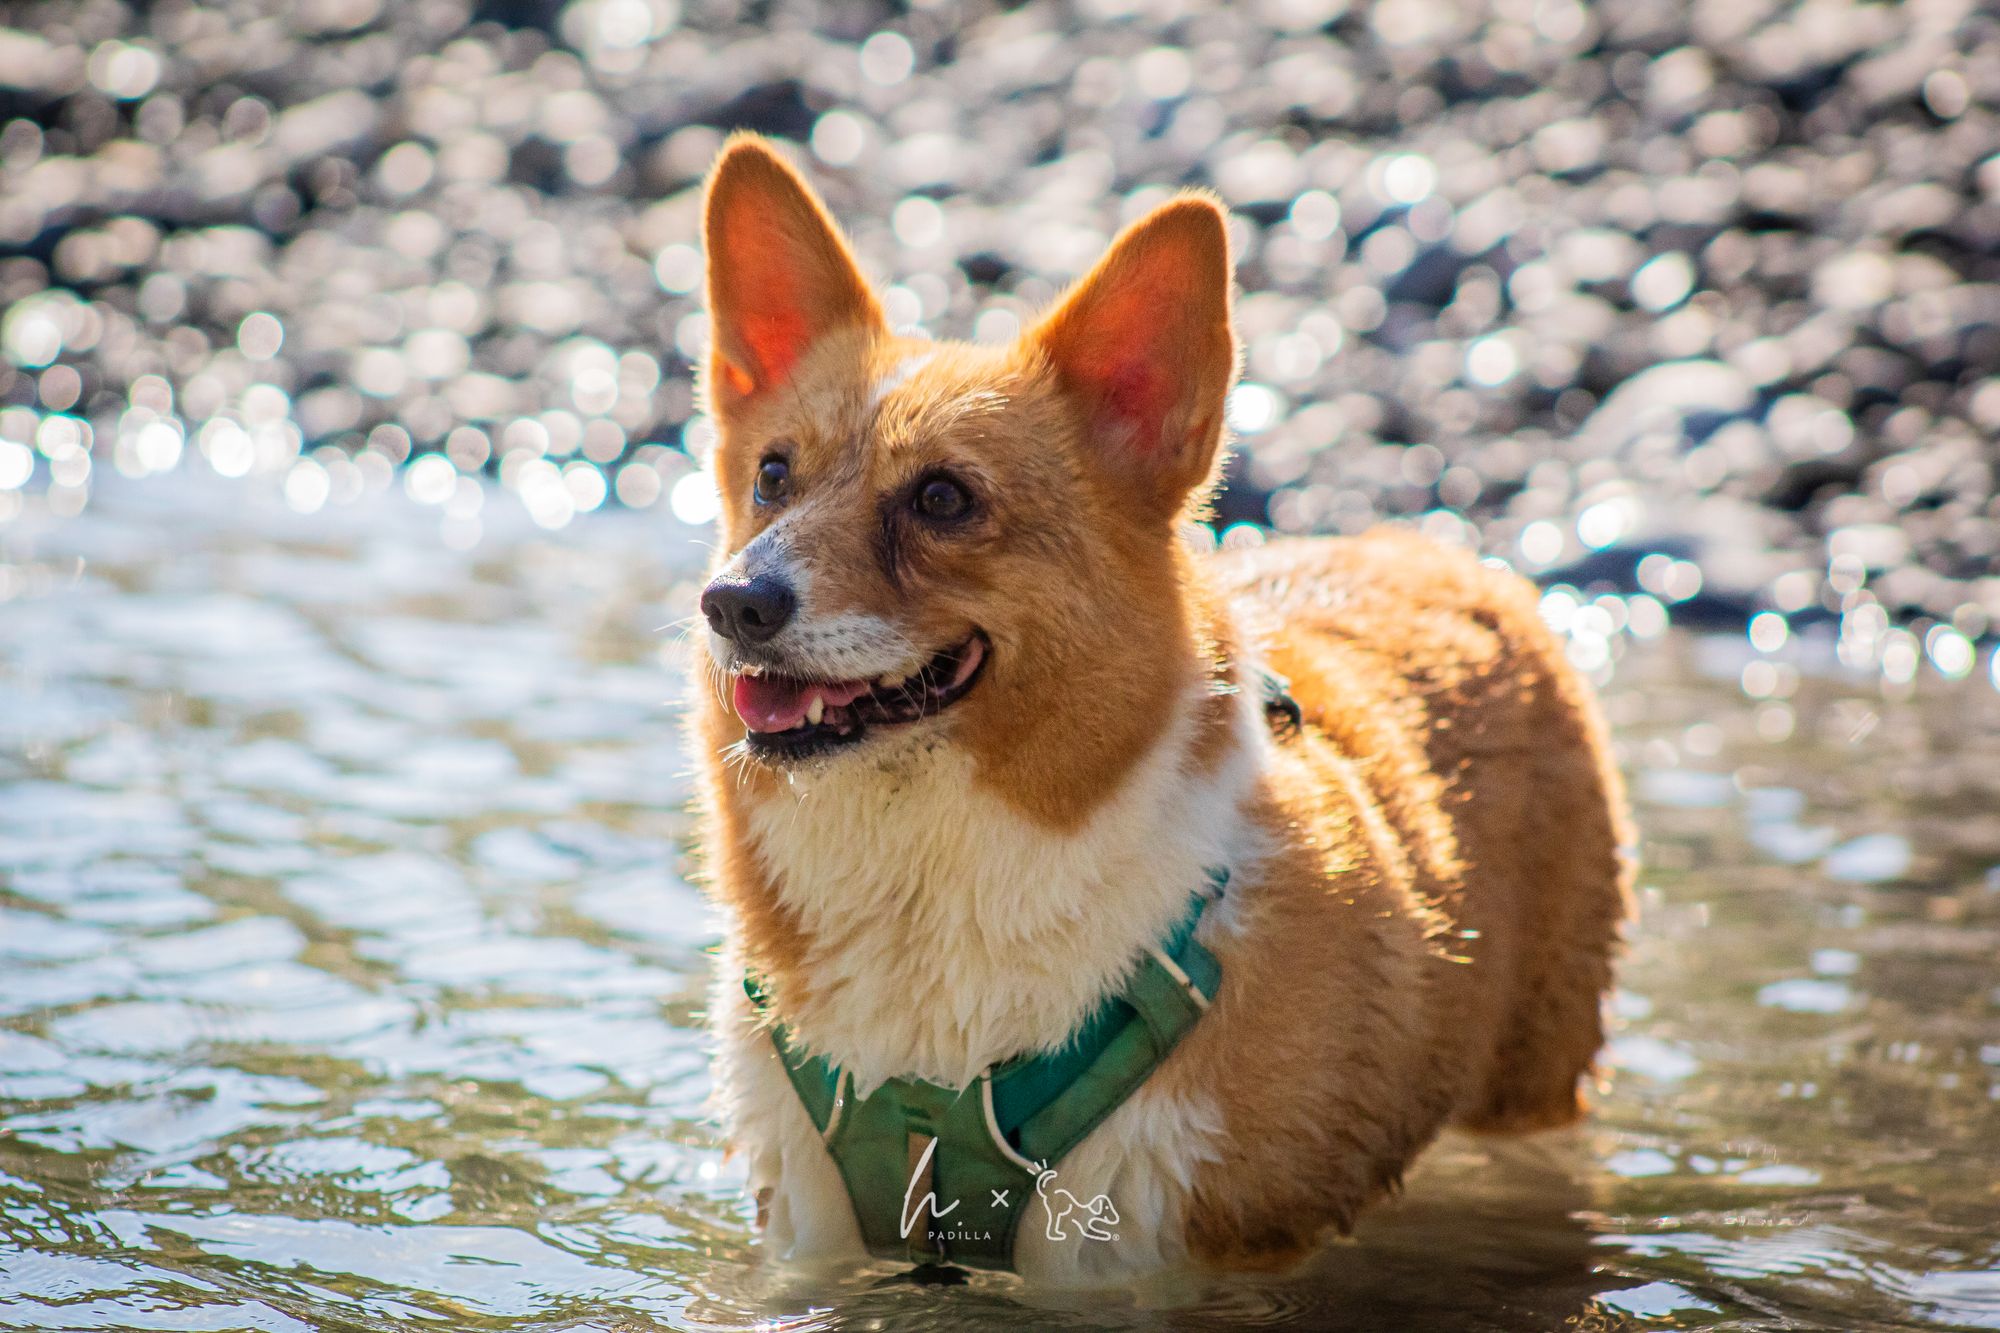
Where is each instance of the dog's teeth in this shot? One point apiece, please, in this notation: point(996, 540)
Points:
point(816, 710)
point(893, 680)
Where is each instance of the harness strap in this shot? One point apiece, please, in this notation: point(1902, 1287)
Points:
point(1026, 1114)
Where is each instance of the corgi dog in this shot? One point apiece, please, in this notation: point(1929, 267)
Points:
point(984, 718)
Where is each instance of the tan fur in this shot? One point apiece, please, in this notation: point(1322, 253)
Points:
point(1427, 883)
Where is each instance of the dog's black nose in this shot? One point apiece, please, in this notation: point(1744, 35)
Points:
point(748, 610)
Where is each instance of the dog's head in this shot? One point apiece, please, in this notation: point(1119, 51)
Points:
point(943, 542)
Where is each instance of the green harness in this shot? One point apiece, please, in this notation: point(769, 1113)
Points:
point(940, 1174)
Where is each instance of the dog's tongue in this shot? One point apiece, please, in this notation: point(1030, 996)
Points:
point(779, 703)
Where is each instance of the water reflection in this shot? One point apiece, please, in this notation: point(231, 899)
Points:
point(347, 977)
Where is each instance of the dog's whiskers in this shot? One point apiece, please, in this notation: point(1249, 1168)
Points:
point(736, 758)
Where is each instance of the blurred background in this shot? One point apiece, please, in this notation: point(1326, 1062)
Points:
point(352, 493)
point(1578, 284)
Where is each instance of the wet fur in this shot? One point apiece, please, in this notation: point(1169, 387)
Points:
point(1427, 882)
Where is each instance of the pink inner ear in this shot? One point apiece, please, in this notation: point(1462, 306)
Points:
point(776, 338)
point(1138, 396)
point(769, 297)
point(1129, 346)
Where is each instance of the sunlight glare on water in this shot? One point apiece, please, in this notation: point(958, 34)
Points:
point(350, 978)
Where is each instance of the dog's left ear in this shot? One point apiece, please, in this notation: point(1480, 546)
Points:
point(1144, 344)
point(780, 276)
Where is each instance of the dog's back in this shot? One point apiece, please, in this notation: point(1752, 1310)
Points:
point(1437, 912)
point(1435, 677)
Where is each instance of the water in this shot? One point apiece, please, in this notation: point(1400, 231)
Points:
point(349, 978)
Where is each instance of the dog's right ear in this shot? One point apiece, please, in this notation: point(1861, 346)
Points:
point(779, 274)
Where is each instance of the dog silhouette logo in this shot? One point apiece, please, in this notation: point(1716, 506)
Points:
point(1093, 1220)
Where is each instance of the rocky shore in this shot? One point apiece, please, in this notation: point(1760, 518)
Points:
point(1696, 299)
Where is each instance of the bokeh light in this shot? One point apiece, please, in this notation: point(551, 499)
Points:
point(1600, 296)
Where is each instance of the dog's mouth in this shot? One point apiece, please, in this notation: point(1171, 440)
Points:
point(788, 717)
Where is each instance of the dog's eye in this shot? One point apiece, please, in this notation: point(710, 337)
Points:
point(941, 500)
point(774, 480)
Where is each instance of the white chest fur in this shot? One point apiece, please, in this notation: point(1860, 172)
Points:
point(949, 932)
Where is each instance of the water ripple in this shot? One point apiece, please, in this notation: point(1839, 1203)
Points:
point(347, 980)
